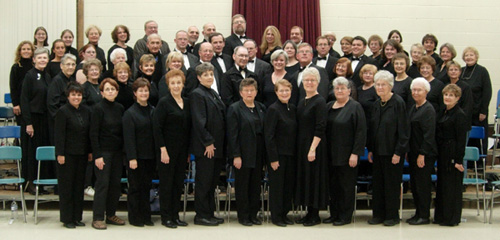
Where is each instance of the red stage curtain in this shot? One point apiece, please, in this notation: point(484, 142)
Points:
point(283, 14)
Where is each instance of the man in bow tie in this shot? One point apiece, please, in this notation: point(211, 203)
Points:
point(358, 59)
point(221, 61)
point(259, 67)
point(238, 37)
point(232, 78)
point(324, 59)
point(305, 56)
point(193, 35)
point(181, 43)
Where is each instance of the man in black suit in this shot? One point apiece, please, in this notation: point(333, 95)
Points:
point(297, 35)
point(304, 56)
point(150, 27)
point(207, 144)
point(221, 61)
point(181, 42)
point(153, 45)
point(259, 67)
point(193, 35)
point(231, 80)
point(208, 29)
point(358, 59)
point(206, 56)
point(238, 37)
point(324, 59)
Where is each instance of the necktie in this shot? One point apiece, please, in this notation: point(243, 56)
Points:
point(321, 58)
point(243, 37)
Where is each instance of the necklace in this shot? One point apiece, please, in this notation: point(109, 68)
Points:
point(467, 78)
point(383, 103)
point(95, 87)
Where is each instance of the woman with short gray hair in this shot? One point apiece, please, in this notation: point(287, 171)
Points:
point(279, 60)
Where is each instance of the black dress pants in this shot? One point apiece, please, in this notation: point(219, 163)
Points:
point(139, 182)
point(281, 187)
point(387, 179)
point(448, 193)
point(207, 177)
point(342, 192)
point(70, 180)
point(107, 185)
point(172, 177)
point(420, 182)
point(247, 190)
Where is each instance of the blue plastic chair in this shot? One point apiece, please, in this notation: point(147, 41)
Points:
point(47, 153)
point(361, 180)
point(230, 181)
point(14, 153)
point(7, 99)
point(7, 115)
point(472, 155)
point(187, 182)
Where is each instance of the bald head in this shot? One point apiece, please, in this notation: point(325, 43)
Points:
point(206, 52)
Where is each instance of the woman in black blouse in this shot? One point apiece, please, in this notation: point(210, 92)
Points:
point(116, 56)
point(427, 65)
point(291, 50)
point(245, 122)
point(147, 67)
point(417, 52)
point(106, 136)
point(122, 74)
point(312, 188)
point(121, 36)
point(346, 131)
point(451, 131)
point(271, 41)
point(389, 49)
point(423, 151)
point(447, 53)
point(175, 60)
point(479, 80)
point(346, 46)
point(387, 144)
point(279, 59)
point(93, 34)
point(67, 36)
point(396, 36)
point(402, 81)
point(58, 50)
point(375, 43)
point(92, 70)
point(172, 125)
point(34, 111)
point(343, 68)
point(72, 145)
point(140, 153)
point(466, 101)
point(280, 131)
point(366, 92)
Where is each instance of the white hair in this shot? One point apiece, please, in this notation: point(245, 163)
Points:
point(421, 80)
point(384, 75)
point(112, 56)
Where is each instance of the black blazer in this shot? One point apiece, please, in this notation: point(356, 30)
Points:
point(330, 64)
point(34, 93)
point(208, 117)
point(72, 128)
point(324, 87)
point(232, 42)
point(242, 142)
point(193, 60)
point(192, 81)
point(228, 62)
point(262, 68)
point(231, 80)
point(364, 60)
point(56, 96)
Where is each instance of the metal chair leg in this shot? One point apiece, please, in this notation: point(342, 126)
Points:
point(492, 202)
point(484, 203)
point(401, 202)
point(186, 188)
point(23, 202)
point(355, 203)
point(36, 206)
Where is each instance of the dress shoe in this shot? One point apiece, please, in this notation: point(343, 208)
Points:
point(245, 222)
point(69, 225)
point(279, 223)
point(31, 188)
point(205, 221)
point(149, 223)
point(99, 225)
point(114, 220)
point(180, 223)
point(312, 222)
point(287, 220)
point(255, 221)
point(79, 224)
point(436, 222)
point(415, 217)
point(391, 222)
point(375, 221)
point(303, 220)
point(448, 224)
point(340, 222)
point(218, 219)
point(169, 224)
point(419, 221)
point(137, 224)
point(329, 220)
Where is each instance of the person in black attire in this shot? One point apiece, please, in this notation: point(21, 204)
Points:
point(221, 61)
point(293, 64)
point(154, 44)
point(93, 34)
point(172, 126)
point(359, 59)
point(279, 60)
point(23, 62)
point(208, 29)
point(375, 43)
point(34, 111)
point(466, 101)
point(451, 131)
point(239, 26)
point(245, 122)
point(58, 50)
point(479, 80)
point(435, 97)
point(396, 36)
point(141, 48)
point(323, 58)
point(346, 131)
point(402, 81)
point(92, 70)
point(121, 36)
point(346, 46)
point(207, 144)
point(417, 51)
point(387, 144)
point(430, 43)
point(139, 147)
point(122, 74)
point(57, 88)
point(271, 41)
point(72, 146)
point(175, 60)
point(389, 49)
point(150, 70)
point(106, 136)
point(312, 167)
point(87, 53)
point(447, 53)
point(343, 68)
point(260, 67)
point(67, 36)
point(366, 93)
point(423, 151)
point(280, 132)
point(332, 38)
point(118, 55)
point(232, 78)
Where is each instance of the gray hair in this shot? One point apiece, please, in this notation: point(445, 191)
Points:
point(204, 67)
point(341, 81)
point(113, 54)
point(154, 35)
point(384, 75)
point(278, 53)
point(40, 51)
point(451, 48)
point(310, 71)
point(418, 46)
point(421, 80)
point(68, 56)
point(238, 48)
point(304, 44)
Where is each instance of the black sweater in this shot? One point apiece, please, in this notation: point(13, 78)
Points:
point(34, 93)
point(106, 132)
point(280, 130)
point(72, 130)
point(479, 80)
point(91, 94)
point(17, 73)
point(138, 132)
point(423, 129)
point(56, 96)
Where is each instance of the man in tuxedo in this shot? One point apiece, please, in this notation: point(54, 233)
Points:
point(305, 56)
point(259, 67)
point(238, 37)
point(297, 35)
point(206, 53)
point(208, 29)
point(232, 78)
point(181, 42)
point(221, 61)
point(150, 27)
point(193, 35)
point(359, 59)
point(324, 59)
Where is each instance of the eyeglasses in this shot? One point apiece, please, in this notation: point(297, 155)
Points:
point(69, 64)
point(304, 52)
point(340, 89)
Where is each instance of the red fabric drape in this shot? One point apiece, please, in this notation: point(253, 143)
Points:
point(284, 14)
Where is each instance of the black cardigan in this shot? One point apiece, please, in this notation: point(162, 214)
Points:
point(34, 93)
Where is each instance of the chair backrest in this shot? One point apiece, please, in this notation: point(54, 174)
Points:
point(471, 154)
point(7, 99)
point(365, 156)
point(10, 153)
point(47, 153)
point(10, 132)
point(6, 112)
point(476, 132)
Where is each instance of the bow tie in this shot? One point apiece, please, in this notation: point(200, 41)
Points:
point(219, 56)
point(243, 36)
point(251, 61)
point(356, 58)
point(321, 58)
point(301, 69)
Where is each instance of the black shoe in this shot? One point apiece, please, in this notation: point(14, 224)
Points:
point(415, 217)
point(312, 222)
point(329, 220)
point(340, 222)
point(436, 222)
point(303, 220)
point(205, 221)
point(218, 219)
point(420, 221)
point(391, 222)
point(31, 188)
point(149, 223)
point(137, 224)
point(375, 221)
point(245, 222)
point(169, 224)
point(79, 224)
point(448, 224)
point(180, 223)
point(69, 225)
point(279, 223)
point(255, 221)
point(287, 220)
